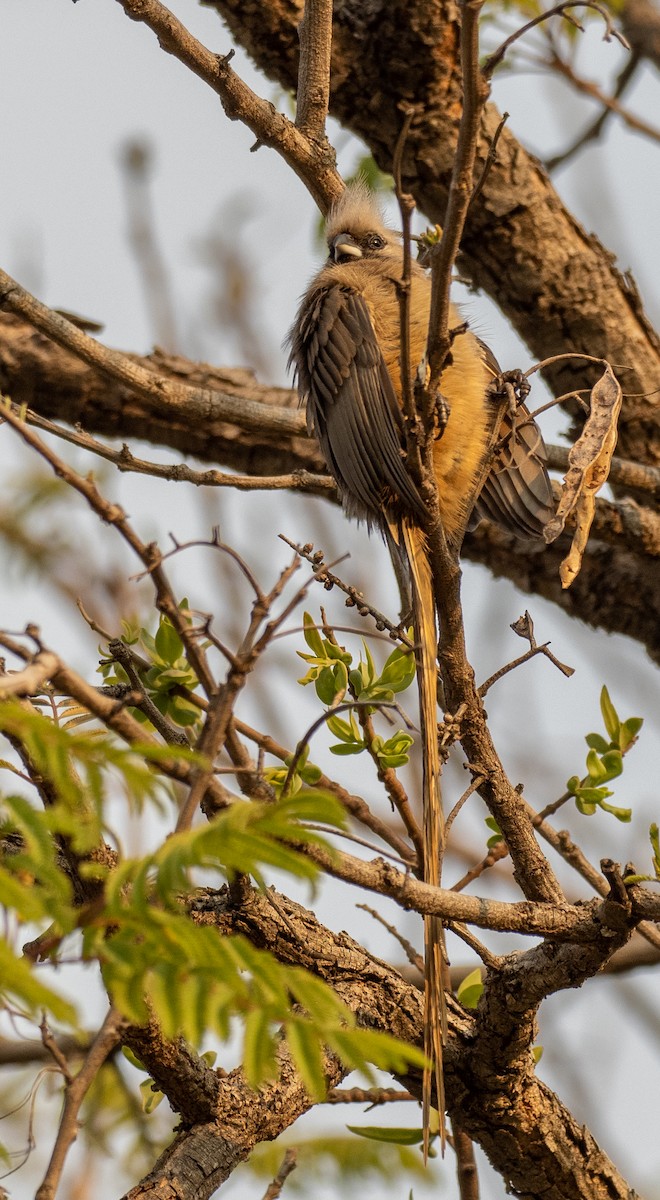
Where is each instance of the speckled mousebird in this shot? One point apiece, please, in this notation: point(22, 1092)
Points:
point(345, 346)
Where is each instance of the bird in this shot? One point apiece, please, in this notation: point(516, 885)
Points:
point(488, 461)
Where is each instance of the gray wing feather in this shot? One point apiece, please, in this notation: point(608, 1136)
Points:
point(517, 492)
point(351, 405)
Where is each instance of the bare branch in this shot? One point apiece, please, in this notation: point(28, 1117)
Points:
point(315, 33)
point(126, 461)
point(32, 678)
point(197, 403)
point(76, 1089)
point(240, 102)
point(475, 94)
point(288, 1165)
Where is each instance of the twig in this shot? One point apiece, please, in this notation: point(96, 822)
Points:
point(387, 775)
point(32, 678)
point(333, 831)
point(288, 1165)
point(221, 705)
point(113, 714)
point(354, 805)
point(490, 159)
point(122, 654)
point(451, 817)
point(555, 358)
point(490, 960)
point(593, 132)
point(559, 10)
point(125, 461)
point(113, 514)
point(304, 741)
point(561, 841)
point(51, 1046)
point(466, 1165)
point(496, 853)
point(609, 103)
point(559, 921)
point(355, 598)
point(371, 1096)
point(414, 957)
point(533, 872)
point(553, 807)
point(475, 94)
point(524, 627)
point(76, 1089)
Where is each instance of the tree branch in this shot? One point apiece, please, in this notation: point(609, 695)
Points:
point(240, 103)
point(490, 1104)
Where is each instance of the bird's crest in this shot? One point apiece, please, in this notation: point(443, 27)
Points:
point(356, 212)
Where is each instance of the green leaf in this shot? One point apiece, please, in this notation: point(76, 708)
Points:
point(593, 795)
point(317, 999)
point(610, 716)
point(612, 763)
point(314, 804)
point(312, 635)
point(393, 752)
point(595, 767)
point(310, 774)
point(346, 731)
point(399, 670)
point(497, 834)
point(385, 1133)
point(597, 742)
point(628, 732)
point(331, 684)
point(305, 1050)
point(168, 644)
point(360, 1047)
point(622, 814)
point(19, 982)
point(259, 1061)
point(470, 989)
point(150, 1095)
point(132, 1058)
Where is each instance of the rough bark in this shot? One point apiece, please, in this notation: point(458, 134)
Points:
point(492, 1089)
point(617, 589)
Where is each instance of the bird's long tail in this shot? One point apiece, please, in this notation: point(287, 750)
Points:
point(435, 1010)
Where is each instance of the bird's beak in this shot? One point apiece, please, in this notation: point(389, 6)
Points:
point(344, 247)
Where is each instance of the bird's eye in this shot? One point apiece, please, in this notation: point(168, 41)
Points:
point(375, 241)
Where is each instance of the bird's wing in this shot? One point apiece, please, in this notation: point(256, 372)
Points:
point(352, 406)
point(517, 493)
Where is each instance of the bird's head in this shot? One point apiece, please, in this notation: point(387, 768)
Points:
point(355, 228)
